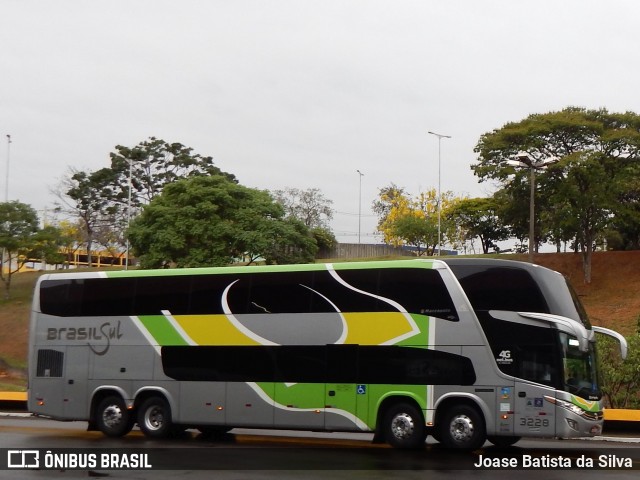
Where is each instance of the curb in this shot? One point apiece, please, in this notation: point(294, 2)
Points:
point(621, 415)
point(13, 396)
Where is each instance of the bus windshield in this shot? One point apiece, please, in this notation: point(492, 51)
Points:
point(580, 372)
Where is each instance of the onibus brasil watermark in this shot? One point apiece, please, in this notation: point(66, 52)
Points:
point(48, 459)
point(555, 461)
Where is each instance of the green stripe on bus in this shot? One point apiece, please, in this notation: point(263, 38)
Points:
point(162, 330)
point(312, 267)
point(384, 264)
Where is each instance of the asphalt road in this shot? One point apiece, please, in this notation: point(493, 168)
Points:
point(255, 454)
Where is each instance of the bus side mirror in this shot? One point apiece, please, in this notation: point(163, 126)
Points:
point(612, 333)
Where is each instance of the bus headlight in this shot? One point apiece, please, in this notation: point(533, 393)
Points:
point(592, 416)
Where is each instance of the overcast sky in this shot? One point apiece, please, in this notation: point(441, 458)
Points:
point(300, 93)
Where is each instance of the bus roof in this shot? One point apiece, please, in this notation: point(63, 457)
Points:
point(411, 263)
point(560, 297)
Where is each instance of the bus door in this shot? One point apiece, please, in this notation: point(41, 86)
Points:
point(344, 397)
point(528, 352)
point(535, 363)
point(534, 416)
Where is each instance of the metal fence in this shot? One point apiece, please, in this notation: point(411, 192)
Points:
point(357, 250)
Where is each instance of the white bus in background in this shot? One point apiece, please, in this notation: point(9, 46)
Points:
point(463, 350)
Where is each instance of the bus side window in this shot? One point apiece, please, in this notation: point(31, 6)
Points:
point(418, 290)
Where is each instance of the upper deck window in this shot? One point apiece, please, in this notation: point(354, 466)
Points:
point(414, 290)
point(500, 288)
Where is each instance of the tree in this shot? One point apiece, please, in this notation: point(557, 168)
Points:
point(154, 163)
point(289, 241)
point(313, 210)
point(389, 198)
point(71, 238)
point(325, 240)
point(392, 204)
point(417, 231)
point(479, 217)
point(513, 212)
point(46, 246)
point(207, 221)
point(89, 196)
point(624, 230)
point(309, 206)
point(142, 173)
point(18, 227)
point(588, 194)
point(596, 153)
point(404, 220)
point(106, 200)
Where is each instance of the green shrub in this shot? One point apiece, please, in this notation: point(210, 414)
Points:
point(620, 380)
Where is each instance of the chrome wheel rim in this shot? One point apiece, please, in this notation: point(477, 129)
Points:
point(461, 428)
point(112, 416)
point(154, 418)
point(402, 426)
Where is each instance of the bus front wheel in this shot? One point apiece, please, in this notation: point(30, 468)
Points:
point(154, 418)
point(462, 428)
point(112, 417)
point(404, 426)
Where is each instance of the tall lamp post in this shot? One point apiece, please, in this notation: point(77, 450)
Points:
point(6, 181)
point(360, 175)
point(6, 199)
point(524, 159)
point(126, 265)
point(440, 137)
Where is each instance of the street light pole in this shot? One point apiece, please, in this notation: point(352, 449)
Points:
point(6, 199)
point(440, 137)
point(126, 265)
point(532, 211)
point(6, 182)
point(360, 175)
point(523, 159)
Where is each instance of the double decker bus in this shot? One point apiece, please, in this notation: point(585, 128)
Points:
point(462, 350)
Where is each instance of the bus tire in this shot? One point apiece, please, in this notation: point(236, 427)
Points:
point(502, 441)
point(112, 417)
point(462, 428)
point(404, 426)
point(154, 418)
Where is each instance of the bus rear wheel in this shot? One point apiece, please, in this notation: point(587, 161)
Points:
point(462, 428)
point(154, 418)
point(404, 426)
point(112, 417)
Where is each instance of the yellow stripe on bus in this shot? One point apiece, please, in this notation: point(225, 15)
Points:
point(375, 328)
point(213, 330)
